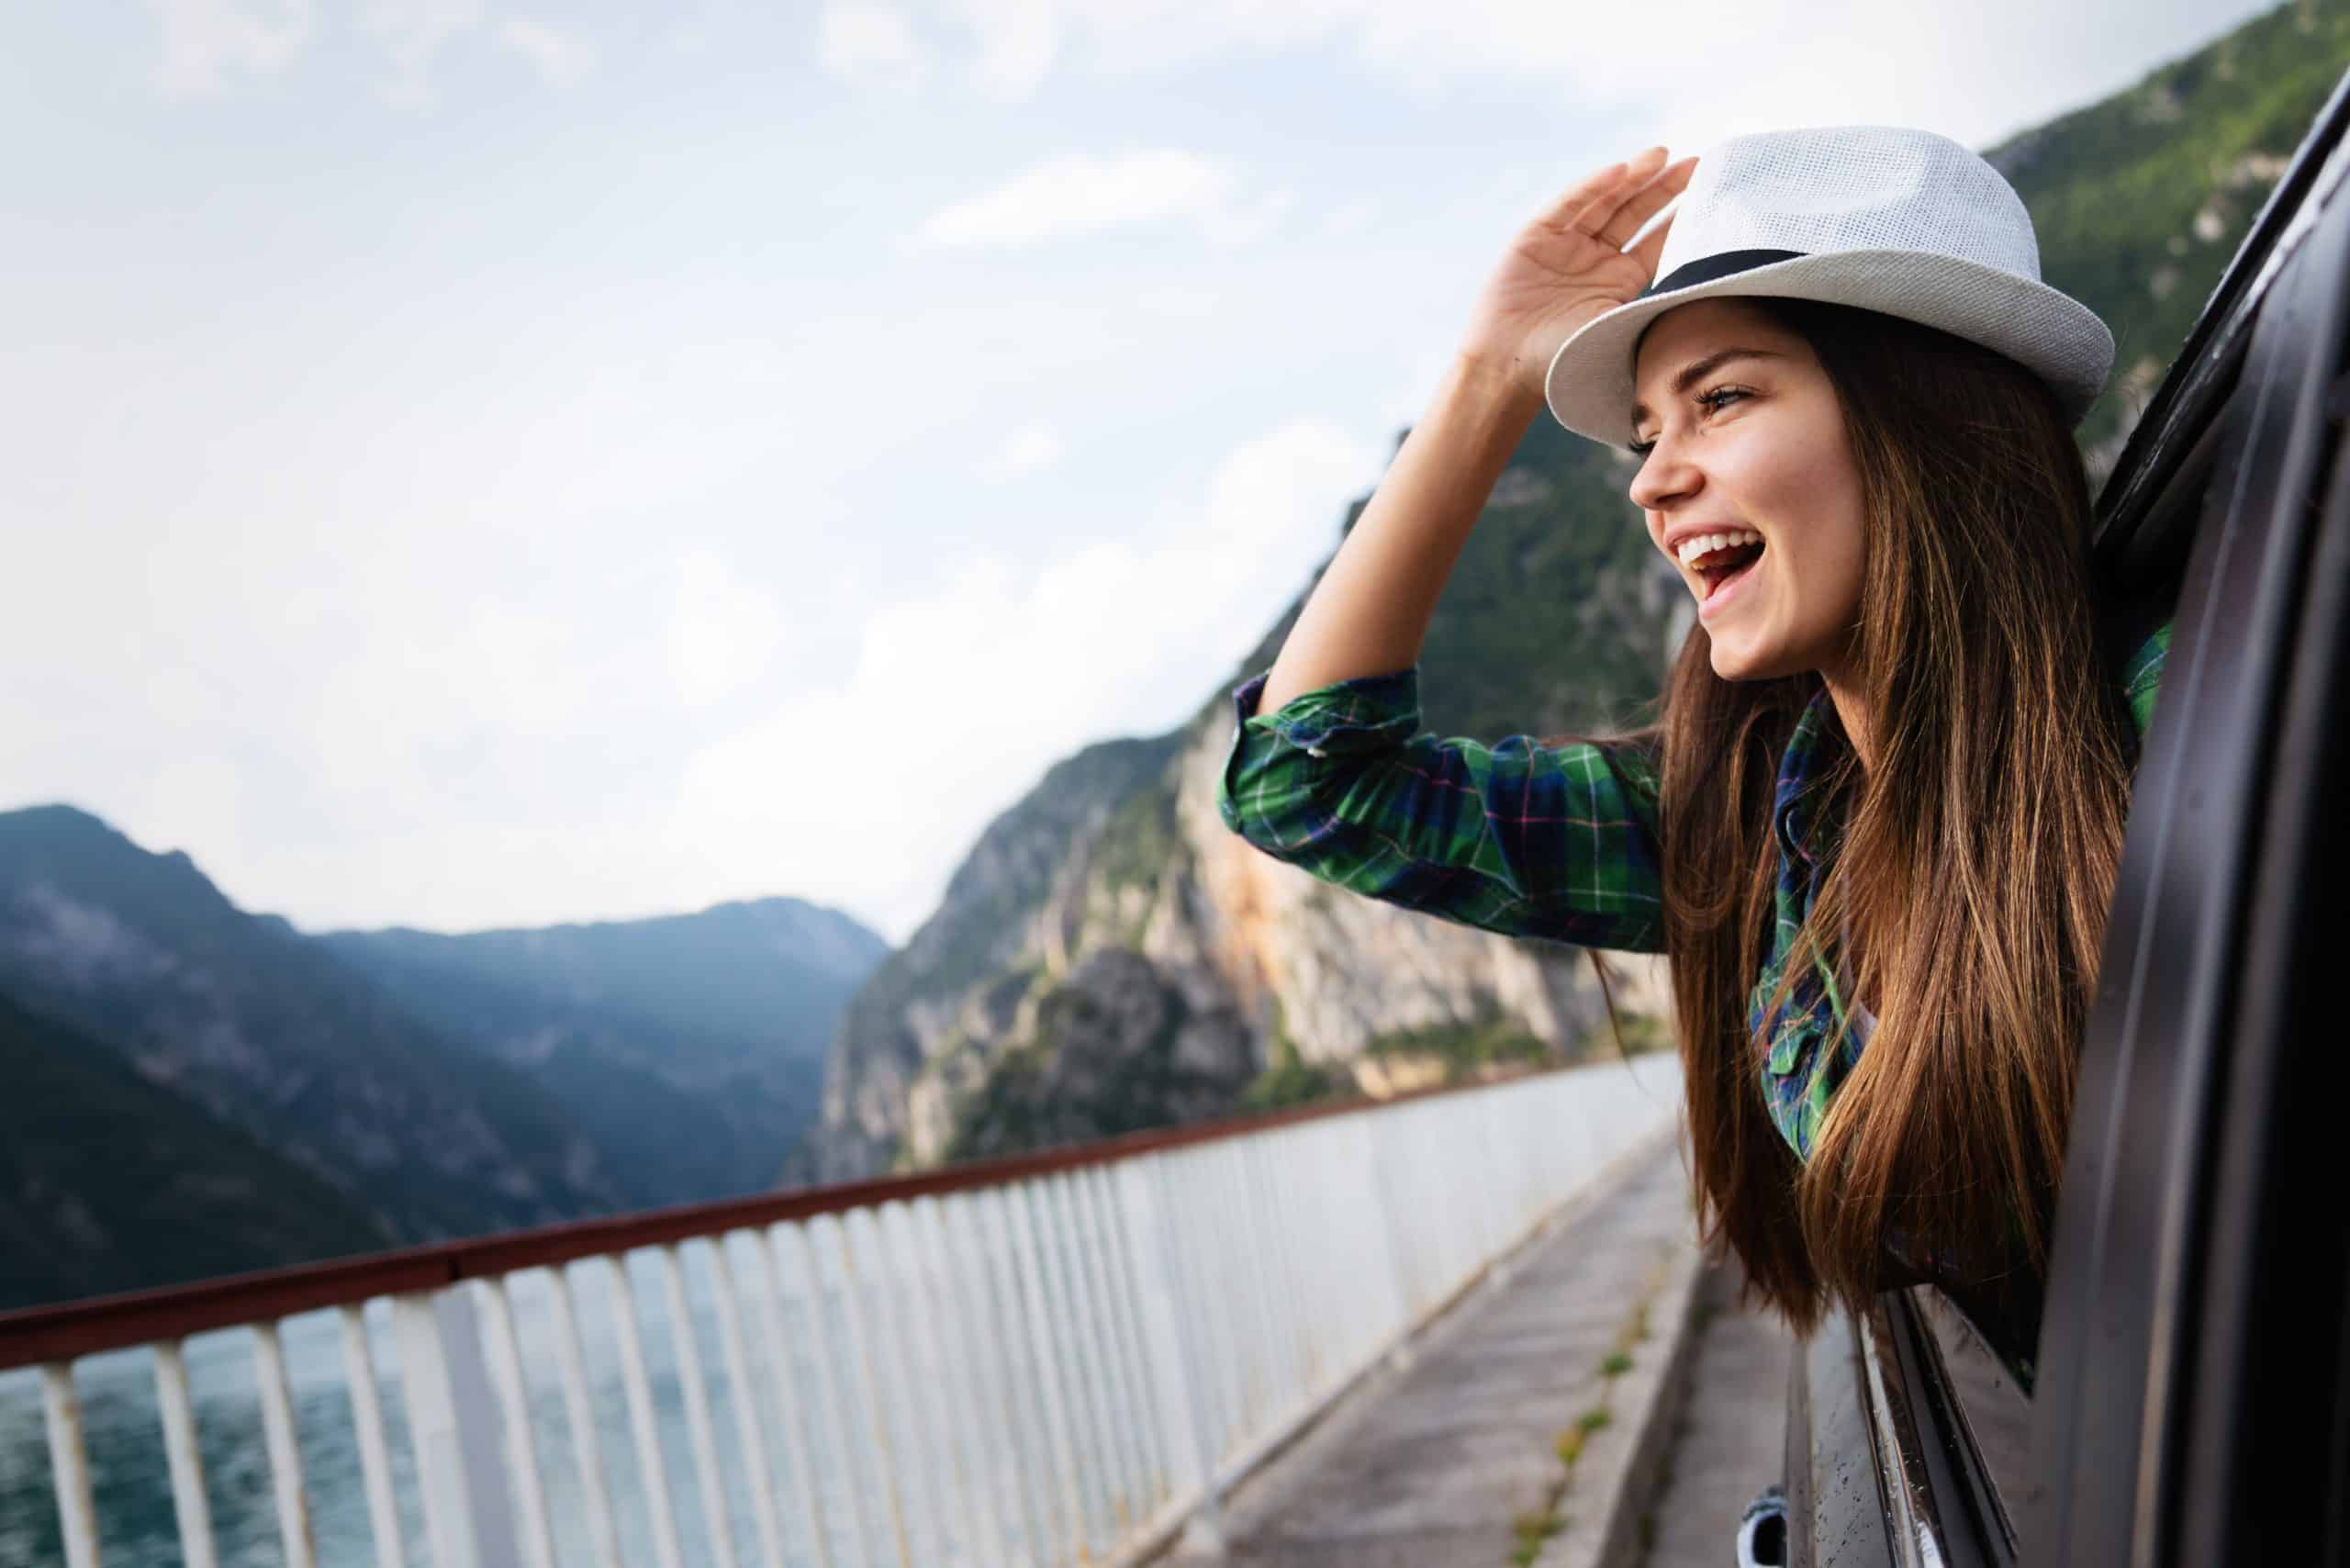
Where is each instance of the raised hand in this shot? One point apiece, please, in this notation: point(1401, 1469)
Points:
point(1569, 265)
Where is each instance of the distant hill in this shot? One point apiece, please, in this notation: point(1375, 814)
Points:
point(690, 1048)
point(268, 1031)
point(2139, 199)
point(1115, 891)
point(392, 1086)
point(111, 1182)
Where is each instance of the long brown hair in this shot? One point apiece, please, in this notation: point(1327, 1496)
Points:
point(1977, 851)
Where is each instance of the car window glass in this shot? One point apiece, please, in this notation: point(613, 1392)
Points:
point(1996, 1418)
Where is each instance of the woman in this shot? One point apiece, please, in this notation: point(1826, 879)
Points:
point(1877, 826)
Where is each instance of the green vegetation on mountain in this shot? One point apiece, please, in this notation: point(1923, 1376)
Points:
point(109, 1182)
point(1290, 1079)
point(1141, 837)
point(1467, 1047)
point(2140, 200)
point(1556, 617)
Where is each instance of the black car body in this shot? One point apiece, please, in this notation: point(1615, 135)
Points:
point(2191, 1403)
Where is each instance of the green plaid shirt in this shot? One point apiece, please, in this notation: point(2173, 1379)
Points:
point(1558, 843)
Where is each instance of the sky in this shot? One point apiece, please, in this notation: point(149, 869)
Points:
point(472, 466)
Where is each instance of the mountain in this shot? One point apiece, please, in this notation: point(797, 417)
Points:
point(1110, 955)
point(268, 1031)
point(111, 1182)
point(688, 1048)
point(2140, 199)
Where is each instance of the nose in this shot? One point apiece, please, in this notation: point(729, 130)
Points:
point(1664, 475)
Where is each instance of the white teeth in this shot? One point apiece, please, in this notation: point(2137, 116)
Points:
point(1703, 544)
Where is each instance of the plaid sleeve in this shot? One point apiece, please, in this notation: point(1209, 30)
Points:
point(2143, 678)
point(1517, 837)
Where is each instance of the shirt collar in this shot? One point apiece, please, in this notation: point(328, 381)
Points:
point(1800, 769)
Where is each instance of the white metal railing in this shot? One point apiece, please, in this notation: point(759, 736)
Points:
point(1061, 1359)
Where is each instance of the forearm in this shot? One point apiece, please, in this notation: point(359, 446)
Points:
point(1519, 838)
point(1370, 612)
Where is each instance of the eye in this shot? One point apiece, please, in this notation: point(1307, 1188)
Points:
point(1711, 398)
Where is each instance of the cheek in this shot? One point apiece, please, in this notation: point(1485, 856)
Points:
point(1846, 547)
point(1834, 559)
point(1818, 508)
point(1823, 553)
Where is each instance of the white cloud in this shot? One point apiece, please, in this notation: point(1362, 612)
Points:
point(560, 59)
point(723, 630)
point(205, 42)
point(1407, 43)
point(1179, 302)
point(1240, 223)
point(1018, 42)
point(957, 699)
point(1727, 66)
point(1077, 193)
point(1030, 449)
point(411, 32)
point(509, 756)
point(1351, 218)
point(870, 45)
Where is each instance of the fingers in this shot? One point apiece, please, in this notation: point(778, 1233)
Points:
point(1650, 247)
point(1600, 184)
point(1645, 203)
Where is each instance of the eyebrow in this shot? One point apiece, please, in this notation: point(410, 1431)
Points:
point(1693, 373)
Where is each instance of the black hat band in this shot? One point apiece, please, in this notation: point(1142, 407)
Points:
point(1705, 269)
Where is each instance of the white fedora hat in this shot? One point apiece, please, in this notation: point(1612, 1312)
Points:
point(1881, 216)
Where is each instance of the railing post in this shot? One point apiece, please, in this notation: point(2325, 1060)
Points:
point(644, 1421)
point(796, 1264)
point(185, 1455)
point(453, 1420)
point(1097, 1189)
point(1390, 1223)
point(586, 1453)
point(513, 1389)
point(1166, 1349)
point(285, 1452)
point(69, 1465)
point(367, 1422)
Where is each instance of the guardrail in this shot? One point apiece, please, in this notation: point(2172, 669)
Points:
point(1054, 1360)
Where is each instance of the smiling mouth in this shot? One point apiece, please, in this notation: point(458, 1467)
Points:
point(1718, 568)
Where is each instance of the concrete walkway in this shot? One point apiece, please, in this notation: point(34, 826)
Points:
point(1427, 1467)
point(1729, 1440)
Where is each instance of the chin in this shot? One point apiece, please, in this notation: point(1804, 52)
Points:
point(1734, 662)
point(1737, 660)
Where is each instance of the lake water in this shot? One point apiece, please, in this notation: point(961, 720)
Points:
point(130, 1479)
